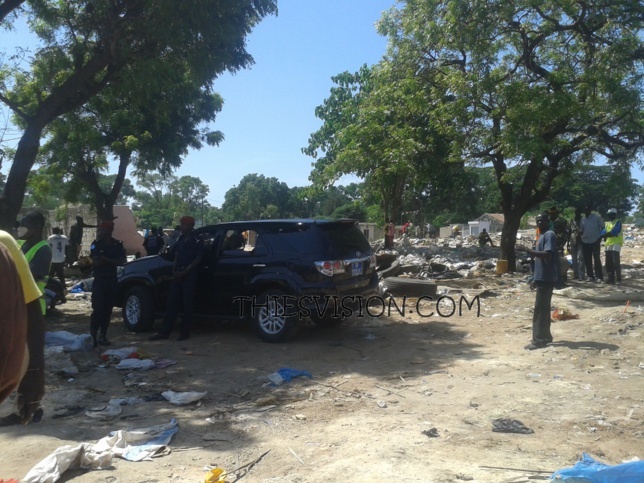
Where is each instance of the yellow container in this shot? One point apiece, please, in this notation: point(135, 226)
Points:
point(501, 267)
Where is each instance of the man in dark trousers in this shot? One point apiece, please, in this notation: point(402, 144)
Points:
point(106, 254)
point(188, 253)
point(546, 270)
point(153, 243)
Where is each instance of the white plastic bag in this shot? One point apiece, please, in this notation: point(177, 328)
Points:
point(140, 364)
point(183, 398)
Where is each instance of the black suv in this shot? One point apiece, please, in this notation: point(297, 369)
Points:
point(274, 272)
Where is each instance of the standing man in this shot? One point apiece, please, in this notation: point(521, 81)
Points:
point(187, 256)
point(389, 236)
point(106, 254)
point(546, 269)
point(58, 243)
point(560, 226)
point(614, 237)
point(36, 250)
point(575, 247)
point(591, 227)
point(76, 239)
point(153, 243)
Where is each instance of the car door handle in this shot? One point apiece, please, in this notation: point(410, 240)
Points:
point(259, 265)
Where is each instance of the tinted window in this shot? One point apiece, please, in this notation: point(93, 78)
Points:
point(345, 240)
point(332, 240)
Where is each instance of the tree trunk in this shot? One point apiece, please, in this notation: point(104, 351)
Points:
point(23, 161)
point(511, 223)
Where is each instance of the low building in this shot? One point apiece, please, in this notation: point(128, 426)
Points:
point(371, 231)
point(495, 221)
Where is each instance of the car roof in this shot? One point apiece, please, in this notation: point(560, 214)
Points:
point(288, 221)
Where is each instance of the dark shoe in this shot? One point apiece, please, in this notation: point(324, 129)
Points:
point(532, 346)
point(183, 337)
point(103, 341)
point(159, 336)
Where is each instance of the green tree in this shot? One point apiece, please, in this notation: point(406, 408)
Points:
point(252, 197)
point(541, 85)
point(86, 46)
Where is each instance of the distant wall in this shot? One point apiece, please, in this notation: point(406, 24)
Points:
point(124, 227)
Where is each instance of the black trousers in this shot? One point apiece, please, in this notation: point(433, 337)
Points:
point(103, 299)
point(592, 254)
point(181, 294)
point(613, 266)
point(541, 319)
point(58, 269)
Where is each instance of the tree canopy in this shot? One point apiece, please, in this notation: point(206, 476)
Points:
point(86, 46)
point(533, 90)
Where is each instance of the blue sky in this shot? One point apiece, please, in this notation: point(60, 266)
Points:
point(269, 109)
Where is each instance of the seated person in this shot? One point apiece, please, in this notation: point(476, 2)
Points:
point(234, 241)
point(484, 238)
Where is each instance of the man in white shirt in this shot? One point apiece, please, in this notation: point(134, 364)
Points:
point(58, 243)
point(591, 227)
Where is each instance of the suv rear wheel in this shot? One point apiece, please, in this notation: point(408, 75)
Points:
point(272, 322)
point(138, 309)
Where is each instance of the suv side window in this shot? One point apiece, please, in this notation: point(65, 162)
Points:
point(243, 243)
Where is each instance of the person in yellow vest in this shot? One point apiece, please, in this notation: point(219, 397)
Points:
point(37, 251)
point(22, 344)
point(614, 239)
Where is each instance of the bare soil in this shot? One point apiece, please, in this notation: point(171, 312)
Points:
point(393, 398)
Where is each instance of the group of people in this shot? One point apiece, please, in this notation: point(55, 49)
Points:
point(26, 261)
point(581, 235)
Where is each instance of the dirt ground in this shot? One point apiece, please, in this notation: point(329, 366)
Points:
point(392, 398)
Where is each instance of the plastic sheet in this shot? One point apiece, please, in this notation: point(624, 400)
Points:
point(69, 342)
point(588, 470)
point(134, 445)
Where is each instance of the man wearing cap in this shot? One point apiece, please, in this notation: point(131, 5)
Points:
point(188, 253)
point(106, 253)
point(614, 237)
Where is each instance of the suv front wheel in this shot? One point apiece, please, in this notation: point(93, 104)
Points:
point(272, 322)
point(138, 309)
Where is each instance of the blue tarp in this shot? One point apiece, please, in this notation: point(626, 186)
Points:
point(590, 471)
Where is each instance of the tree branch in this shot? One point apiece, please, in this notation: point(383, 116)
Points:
point(8, 6)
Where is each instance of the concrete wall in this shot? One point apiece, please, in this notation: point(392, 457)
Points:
point(371, 231)
point(124, 227)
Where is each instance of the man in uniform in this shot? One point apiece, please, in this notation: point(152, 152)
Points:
point(36, 250)
point(106, 254)
point(153, 243)
point(188, 253)
point(614, 237)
